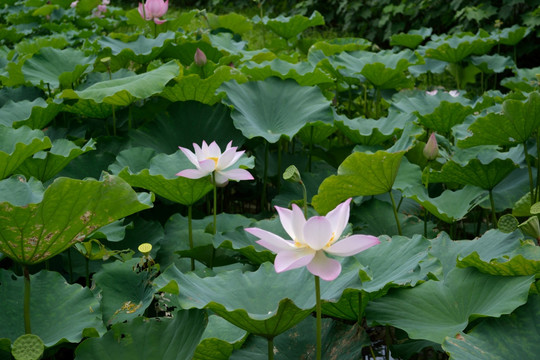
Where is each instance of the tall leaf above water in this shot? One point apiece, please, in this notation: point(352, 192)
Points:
point(35, 231)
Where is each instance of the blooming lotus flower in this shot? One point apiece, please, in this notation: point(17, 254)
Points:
point(153, 9)
point(199, 58)
point(312, 239)
point(208, 159)
point(431, 150)
point(432, 92)
point(454, 93)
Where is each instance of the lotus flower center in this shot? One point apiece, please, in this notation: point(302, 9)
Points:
point(215, 160)
point(331, 241)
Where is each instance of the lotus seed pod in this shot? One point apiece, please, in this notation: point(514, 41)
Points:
point(27, 347)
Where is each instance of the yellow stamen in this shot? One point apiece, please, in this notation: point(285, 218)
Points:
point(215, 160)
point(331, 241)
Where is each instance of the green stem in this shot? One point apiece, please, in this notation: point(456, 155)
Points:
point(155, 30)
point(304, 191)
point(190, 234)
point(279, 164)
point(26, 306)
point(493, 215)
point(87, 267)
point(529, 169)
point(265, 177)
point(114, 120)
point(395, 212)
point(310, 147)
point(270, 348)
point(215, 218)
point(427, 190)
point(70, 266)
point(537, 166)
point(318, 309)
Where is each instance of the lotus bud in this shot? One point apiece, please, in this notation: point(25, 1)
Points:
point(431, 150)
point(200, 58)
point(74, 4)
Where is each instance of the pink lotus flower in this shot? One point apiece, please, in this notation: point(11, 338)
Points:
point(312, 239)
point(74, 4)
point(208, 159)
point(200, 58)
point(153, 9)
point(431, 150)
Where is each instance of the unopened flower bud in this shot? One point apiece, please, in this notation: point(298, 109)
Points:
point(431, 150)
point(200, 58)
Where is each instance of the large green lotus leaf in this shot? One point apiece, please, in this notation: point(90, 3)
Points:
point(274, 108)
point(372, 132)
point(19, 192)
point(159, 175)
point(45, 165)
point(237, 23)
point(512, 336)
point(436, 309)
point(289, 27)
point(90, 109)
point(450, 206)
point(142, 50)
point(455, 48)
point(395, 262)
point(303, 73)
point(69, 211)
point(171, 339)
point(35, 114)
point(518, 121)
point(490, 64)
point(340, 341)
point(512, 35)
point(336, 45)
point(411, 39)
point(475, 172)
point(185, 50)
point(359, 174)
point(16, 145)
point(385, 69)
point(185, 123)
point(192, 87)
point(523, 260)
point(283, 299)
point(422, 103)
point(78, 316)
point(125, 294)
point(525, 80)
point(219, 340)
point(57, 68)
point(445, 117)
point(33, 45)
point(123, 92)
point(491, 245)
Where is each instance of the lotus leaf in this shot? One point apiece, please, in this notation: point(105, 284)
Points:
point(359, 174)
point(16, 145)
point(219, 340)
point(57, 68)
point(512, 35)
point(304, 73)
point(142, 50)
point(78, 317)
point(435, 309)
point(456, 48)
point(173, 338)
point(411, 39)
point(49, 227)
point(508, 337)
point(45, 165)
point(35, 114)
point(274, 108)
point(290, 27)
point(123, 92)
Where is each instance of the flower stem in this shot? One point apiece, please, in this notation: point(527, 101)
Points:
point(190, 234)
point(493, 215)
point(265, 177)
point(318, 312)
point(304, 191)
point(537, 187)
point(395, 212)
point(270, 348)
point(426, 213)
point(26, 306)
point(215, 218)
point(529, 168)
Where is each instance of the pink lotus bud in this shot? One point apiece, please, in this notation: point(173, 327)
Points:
point(200, 58)
point(74, 4)
point(431, 150)
point(102, 8)
point(432, 92)
point(453, 93)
